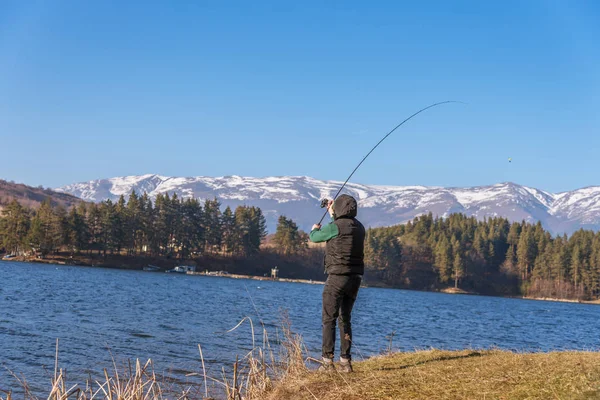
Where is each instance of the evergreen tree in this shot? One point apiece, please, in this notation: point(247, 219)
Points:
point(595, 267)
point(212, 225)
point(443, 259)
point(559, 261)
point(109, 226)
point(458, 268)
point(162, 230)
point(287, 236)
point(14, 228)
point(242, 228)
point(576, 264)
point(479, 248)
point(229, 232)
point(94, 223)
point(46, 234)
point(525, 253)
point(258, 229)
point(120, 224)
point(510, 263)
point(251, 229)
point(78, 230)
point(383, 252)
point(514, 234)
point(190, 232)
point(133, 233)
point(148, 226)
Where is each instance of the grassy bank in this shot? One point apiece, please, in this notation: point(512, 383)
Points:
point(464, 374)
point(430, 374)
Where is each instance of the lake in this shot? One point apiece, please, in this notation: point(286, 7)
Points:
point(100, 313)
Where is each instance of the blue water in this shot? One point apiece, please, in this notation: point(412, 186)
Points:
point(102, 313)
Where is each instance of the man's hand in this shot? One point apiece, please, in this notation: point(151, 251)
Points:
point(316, 227)
point(330, 208)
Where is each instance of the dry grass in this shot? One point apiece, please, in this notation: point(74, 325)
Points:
point(135, 383)
point(253, 376)
point(263, 367)
point(436, 374)
point(265, 373)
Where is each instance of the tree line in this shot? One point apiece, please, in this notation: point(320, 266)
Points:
point(167, 227)
point(492, 256)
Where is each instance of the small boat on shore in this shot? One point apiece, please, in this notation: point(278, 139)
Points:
point(151, 268)
point(182, 269)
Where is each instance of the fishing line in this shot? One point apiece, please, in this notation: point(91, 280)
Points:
point(378, 143)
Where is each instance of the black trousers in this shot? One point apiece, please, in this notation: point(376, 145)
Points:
point(339, 294)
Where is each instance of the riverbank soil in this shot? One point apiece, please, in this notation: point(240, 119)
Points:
point(467, 374)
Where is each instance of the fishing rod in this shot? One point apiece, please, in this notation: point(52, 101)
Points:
point(325, 202)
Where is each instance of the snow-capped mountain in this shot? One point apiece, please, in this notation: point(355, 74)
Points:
point(298, 198)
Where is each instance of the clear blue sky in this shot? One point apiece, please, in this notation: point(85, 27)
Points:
point(95, 89)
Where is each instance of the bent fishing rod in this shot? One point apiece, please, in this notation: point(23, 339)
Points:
point(325, 202)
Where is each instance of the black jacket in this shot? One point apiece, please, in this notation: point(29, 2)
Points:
point(345, 253)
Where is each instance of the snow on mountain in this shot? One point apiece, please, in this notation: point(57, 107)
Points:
point(298, 198)
point(577, 209)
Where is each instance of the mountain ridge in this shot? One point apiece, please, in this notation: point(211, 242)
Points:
point(30, 196)
point(298, 197)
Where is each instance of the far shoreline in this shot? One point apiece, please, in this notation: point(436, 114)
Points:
point(596, 302)
point(449, 290)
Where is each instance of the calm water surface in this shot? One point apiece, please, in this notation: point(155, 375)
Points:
point(97, 313)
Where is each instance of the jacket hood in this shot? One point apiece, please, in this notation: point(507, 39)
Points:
point(345, 207)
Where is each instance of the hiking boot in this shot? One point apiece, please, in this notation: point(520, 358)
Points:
point(345, 365)
point(326, 365)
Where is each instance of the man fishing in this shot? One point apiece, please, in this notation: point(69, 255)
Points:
point(344, 264)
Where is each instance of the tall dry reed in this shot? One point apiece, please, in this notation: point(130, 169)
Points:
point(251, 378)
